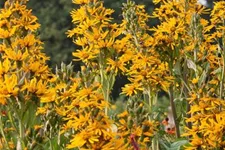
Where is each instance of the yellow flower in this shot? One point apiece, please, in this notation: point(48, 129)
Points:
point(34, 86)
point(27, 20)
point(29, 41)
point(9, 86)
point(131, 89)
point(42, 110)
point(37, 68)
point(37, 127)
point(11, 144)
point(1, 143)
point(218, 12)
point(81, 41)
point(7, 33)
point(5, 66)
point(80, 2)
point(105, 43)
point(124, 114)
point(5, 13)
point(116, 65)
point(16, 56)
point(196, 141)
point(195, 80)
point(86, 54)
point(49, 96)
point(61, 111)
point(77, 141)
point(3, 100)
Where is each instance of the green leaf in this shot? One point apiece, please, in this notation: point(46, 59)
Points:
point(191, 65)
point(176, 68)
point(112, 81)
point(177, 145)
point(217, 71)
point(29, 118)
point(202, 78)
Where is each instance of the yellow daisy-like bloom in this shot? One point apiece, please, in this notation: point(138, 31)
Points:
point(131, 89)
point(80, 2)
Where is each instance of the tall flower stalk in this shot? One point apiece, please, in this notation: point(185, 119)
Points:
point(23, 71)
point(95, 33)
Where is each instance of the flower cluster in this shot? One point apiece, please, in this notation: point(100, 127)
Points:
point(191, 45)
point(19, 71)
point(183, 56)
point(24, 74)
point(94, 32)
point(207, 98)
point(145, 70)
point(84, 112)
point(104, 51)
point(207, 115)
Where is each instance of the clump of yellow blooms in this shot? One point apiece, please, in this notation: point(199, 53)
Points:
point(192, 40)
point(19, 71)
point(145, 70)
point(207, 96)
point(83, 110)
point(24, 74)
point(95, 34)
point(183, 56)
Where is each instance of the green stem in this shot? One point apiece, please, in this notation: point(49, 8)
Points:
point(20, 132)
point(136, 40)
point(103, 89)
point(222, 78)
point(12, 121)
point(150, 99)
point(51, 147)
point(155, 143)
point(186, 89)
point(105, 81)
point(174, 113)
point(171, 96)
point(195, 38)
point(3, 134)
point(107, 97)
point(223, 69)
point(101, 69)
point(21, 129)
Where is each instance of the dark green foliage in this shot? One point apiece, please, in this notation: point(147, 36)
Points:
point(1, 3)
point(55, 20)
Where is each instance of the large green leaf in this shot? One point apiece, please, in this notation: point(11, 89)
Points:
point(178, 145)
